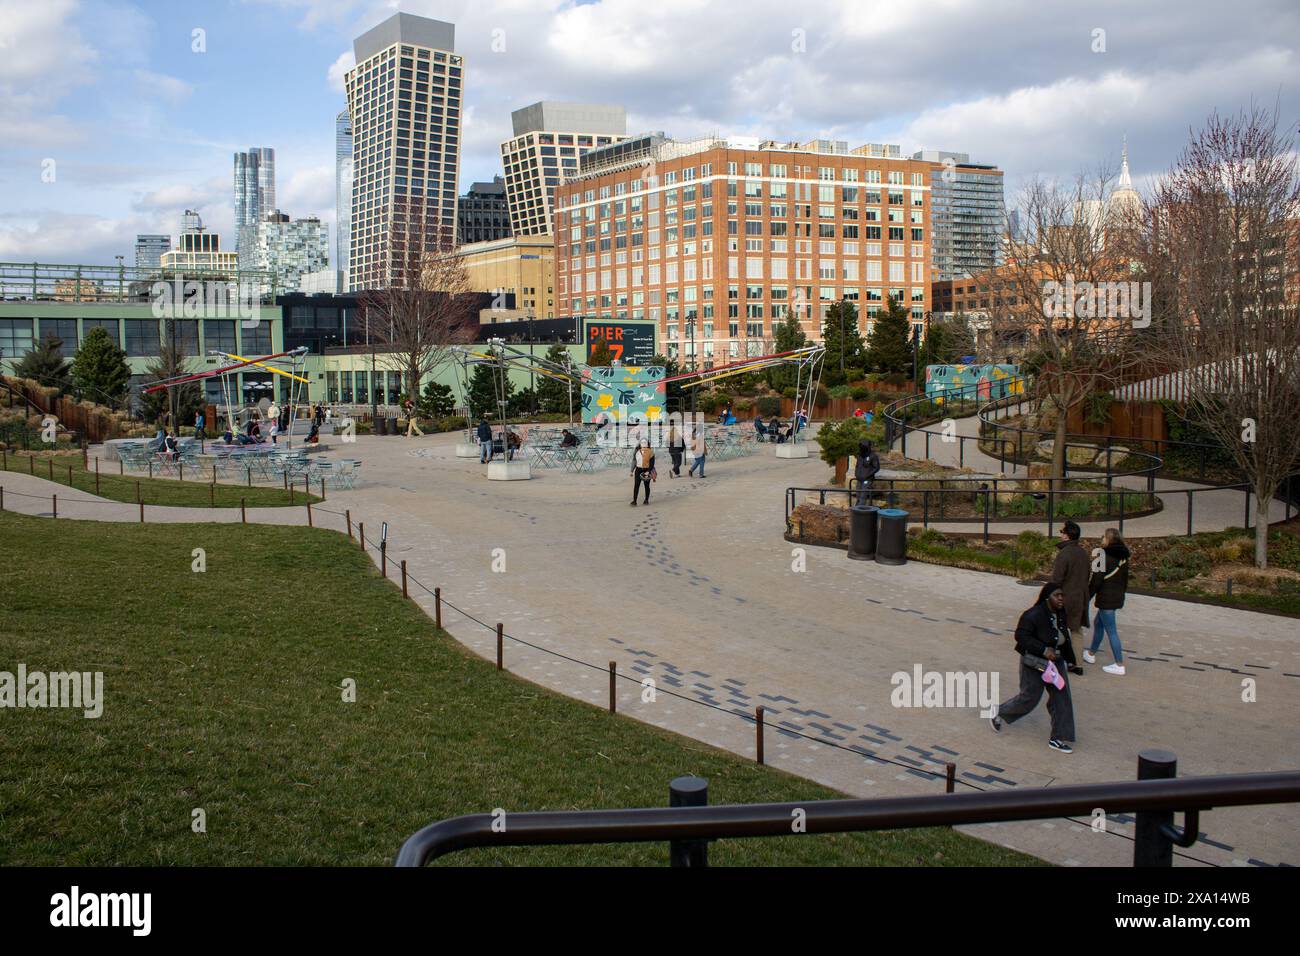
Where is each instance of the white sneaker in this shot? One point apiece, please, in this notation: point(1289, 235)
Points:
point(1089, 657)
point(1114, 669)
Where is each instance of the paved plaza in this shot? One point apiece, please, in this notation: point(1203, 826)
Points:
point(698, 592)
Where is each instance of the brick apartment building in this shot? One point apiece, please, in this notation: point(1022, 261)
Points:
point(717, 240)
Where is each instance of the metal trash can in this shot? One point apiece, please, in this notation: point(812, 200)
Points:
point(381, 426)
point(891, 542)
point(392, 426)
point(862, 532)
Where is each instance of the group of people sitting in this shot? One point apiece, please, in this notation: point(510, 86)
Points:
point(775, 431)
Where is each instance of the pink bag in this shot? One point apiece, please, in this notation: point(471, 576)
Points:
point(1053, 676)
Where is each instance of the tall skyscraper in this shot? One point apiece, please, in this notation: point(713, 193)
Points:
point(342, 195)
point(404, 97)
point(149, 250)
point(968, 215)
point(254, 189)
point(549, 138)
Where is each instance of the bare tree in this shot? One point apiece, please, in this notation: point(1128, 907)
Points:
point(1223, 244)
point(426, 304)
point(1064, 295)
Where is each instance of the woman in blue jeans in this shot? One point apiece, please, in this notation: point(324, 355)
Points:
point(1109, 584)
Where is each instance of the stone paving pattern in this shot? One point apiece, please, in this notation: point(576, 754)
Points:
point(697, 592)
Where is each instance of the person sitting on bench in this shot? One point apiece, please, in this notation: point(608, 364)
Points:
point(760, 427)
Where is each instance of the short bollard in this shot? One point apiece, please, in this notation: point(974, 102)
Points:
point(613, 694)
point(404, 594)
point(348, 514)
point(56, 505)
point(309, 524)
point(688, 792)
point(243, 510)
point(500, 646)
point(142, 512)
point(950, 777)
point(437, 606)
point(1155, 835)
point(758, 733)
point(97, 475)
point(361, 534)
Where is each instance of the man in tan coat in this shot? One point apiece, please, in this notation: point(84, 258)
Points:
point(1071, 571)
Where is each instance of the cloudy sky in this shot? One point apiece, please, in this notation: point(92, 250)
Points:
point(112, 123)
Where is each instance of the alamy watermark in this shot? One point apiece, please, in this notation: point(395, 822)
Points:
point(1096, 300)
point(934, 689)
point(206, 300)
point(79, 690)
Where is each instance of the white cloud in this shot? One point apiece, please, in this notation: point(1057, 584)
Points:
point(346, 61)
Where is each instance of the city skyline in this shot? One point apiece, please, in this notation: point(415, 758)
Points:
point(1055, 109)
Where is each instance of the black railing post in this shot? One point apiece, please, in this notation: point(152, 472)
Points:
point(689, 792)
point(1151, 847)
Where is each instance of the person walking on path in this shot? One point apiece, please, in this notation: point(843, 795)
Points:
point(199, 422)
point(700, 450)
point(411, 424)
point(677, 449)
point(1043, 638)
point(1071, 570)
point(484, 433)
point(643, 470)
point(865, 471)
point(1109, 584)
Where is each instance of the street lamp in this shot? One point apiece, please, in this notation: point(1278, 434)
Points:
point(690, 327)
point(843, 304)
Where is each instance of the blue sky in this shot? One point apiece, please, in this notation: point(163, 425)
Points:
point(139, 126)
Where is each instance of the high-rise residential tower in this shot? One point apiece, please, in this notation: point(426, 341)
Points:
point(149, 250)
point(342, 195)
point(404, 97)
point(254, 187)
point(549, 137)
point(968, 214)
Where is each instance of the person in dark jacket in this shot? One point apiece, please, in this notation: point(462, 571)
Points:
point(643, 470)
point(676, 449)
point(1071, 570)
point(865, 471)
point(1109, 584)
point(1043, 635)
point(484, 433)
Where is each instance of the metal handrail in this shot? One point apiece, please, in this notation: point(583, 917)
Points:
point(552, 828)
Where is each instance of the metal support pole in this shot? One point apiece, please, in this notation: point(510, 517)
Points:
point(688, 792)
point(613, 694)
point(758, 733)
point(1151, 847)
point(500, 646)
point(437, 606)
point(404, 592)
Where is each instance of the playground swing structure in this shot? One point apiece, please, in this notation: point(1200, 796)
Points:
point(294, 358)
point(503, 358)
point(807, 360)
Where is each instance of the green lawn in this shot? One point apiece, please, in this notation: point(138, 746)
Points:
point(223, 692)
point(198, 493)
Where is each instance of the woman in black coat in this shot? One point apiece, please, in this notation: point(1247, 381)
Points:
point(1109, 586)
point(1042, 636)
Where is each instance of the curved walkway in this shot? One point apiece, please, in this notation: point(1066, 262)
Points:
point(1211, 510)
point(700, 593)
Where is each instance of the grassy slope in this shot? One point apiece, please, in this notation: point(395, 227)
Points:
point(224, 695)
point(153, 491)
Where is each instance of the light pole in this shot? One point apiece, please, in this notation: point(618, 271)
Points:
point(843, 303)
point(690, 325)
